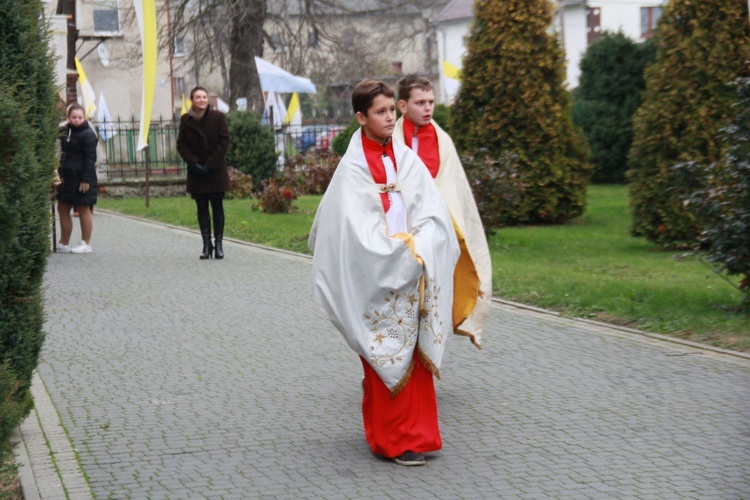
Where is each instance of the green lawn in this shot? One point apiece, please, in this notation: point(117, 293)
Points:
point(593, 268)
point(589, 268)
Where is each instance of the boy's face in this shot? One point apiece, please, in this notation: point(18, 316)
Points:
point(380, 119)
point(419, 108)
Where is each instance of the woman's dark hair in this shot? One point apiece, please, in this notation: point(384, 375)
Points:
point(73, 106)
point(365, 92)
point(195, 89)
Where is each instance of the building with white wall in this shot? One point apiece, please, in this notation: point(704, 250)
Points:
point(581, 22)
point(577, 22)
point(452, 25)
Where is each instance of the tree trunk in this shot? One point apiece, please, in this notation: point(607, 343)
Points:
point(246, 41)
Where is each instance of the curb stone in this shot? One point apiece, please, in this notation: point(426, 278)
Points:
point(48, 465)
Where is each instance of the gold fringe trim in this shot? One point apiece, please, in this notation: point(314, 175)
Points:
point(427, 362)
point(471, 336)
point(404, 380)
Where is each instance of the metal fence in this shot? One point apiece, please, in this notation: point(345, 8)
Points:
point(120, 159)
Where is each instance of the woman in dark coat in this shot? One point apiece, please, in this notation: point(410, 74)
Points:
point(203, 141)
point(77, 172)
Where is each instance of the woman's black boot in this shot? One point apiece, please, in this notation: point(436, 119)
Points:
point(208, 248)
point(218, 210)
point(218, 250)
point(204, 222)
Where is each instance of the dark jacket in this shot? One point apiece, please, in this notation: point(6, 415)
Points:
point(77, 164)
point(205, 141)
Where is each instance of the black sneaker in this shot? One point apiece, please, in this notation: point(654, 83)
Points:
point(410, 459)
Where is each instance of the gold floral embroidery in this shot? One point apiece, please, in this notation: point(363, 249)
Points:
point(395, 328)
point(399, 323)
point(430, 322)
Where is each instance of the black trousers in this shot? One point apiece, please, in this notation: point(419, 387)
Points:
point(204, 218)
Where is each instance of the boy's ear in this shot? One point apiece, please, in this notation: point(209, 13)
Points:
point(361, 118)
point(402, 106)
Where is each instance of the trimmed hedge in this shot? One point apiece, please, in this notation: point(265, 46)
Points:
point(702, 46)
point(723, 202)
point(252, 146)
point(608, 94)
point(28, 129)
point(512, 103)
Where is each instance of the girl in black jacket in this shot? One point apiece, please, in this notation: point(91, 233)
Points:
point(78, 185)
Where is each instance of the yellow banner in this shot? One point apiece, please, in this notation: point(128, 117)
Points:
point(145, 11)
point(87, 91)
point(293, 109)
point(450, 71)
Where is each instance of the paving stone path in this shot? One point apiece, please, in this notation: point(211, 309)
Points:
point(180, 378)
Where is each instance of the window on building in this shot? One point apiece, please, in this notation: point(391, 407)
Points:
point(179, 46)
point(348, 38)
point(312, 39)
point(593, 24)
point(179, 85)
point(106, 17)
point(649, 17)
point(277, 42)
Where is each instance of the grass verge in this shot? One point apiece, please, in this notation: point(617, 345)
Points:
point(589, 268)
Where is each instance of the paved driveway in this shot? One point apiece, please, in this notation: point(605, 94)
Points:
point(180, 378)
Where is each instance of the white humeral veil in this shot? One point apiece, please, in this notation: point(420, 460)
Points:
point(454, 187)
point(387, 295)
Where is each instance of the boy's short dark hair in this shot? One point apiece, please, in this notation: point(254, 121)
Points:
point(365, 92)
point(409, 82)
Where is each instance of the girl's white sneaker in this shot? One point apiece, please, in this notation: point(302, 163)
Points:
point(81, 248)
point(63, 248)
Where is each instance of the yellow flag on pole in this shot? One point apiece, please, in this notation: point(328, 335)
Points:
point(451, 80)
point(145, 11)
point(293, 112)
point(87, 90)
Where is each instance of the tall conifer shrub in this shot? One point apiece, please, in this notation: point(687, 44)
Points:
point(608, 94)
point(702, 46)
point(28, 128)
point(513, 104)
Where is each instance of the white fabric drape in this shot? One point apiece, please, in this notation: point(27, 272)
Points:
point(455, 190)
point(368, 283)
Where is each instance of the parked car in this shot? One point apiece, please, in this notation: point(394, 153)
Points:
point(307, 139)
point(325, 139)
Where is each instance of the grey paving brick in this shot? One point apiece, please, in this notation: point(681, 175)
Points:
point(176, 378)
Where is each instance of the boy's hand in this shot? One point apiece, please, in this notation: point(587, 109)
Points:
point(83, 187)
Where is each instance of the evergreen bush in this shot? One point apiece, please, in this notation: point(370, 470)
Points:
point(498, 188)
point(608, 94)
point(442, 116)
point(723, 201)
point(252, 148)
point(341, 141)
point(702, 46)
point(28, 129)
point(513, 101)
